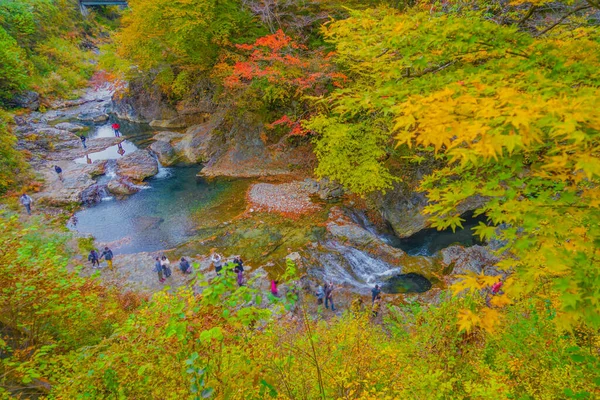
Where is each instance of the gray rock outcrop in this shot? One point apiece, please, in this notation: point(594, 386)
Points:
point(28, 99)
point(138, 165)
point(68, 126)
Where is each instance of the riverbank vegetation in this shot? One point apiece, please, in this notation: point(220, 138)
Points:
point(498, 99)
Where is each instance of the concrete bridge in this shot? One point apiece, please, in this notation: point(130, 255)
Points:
point(84, 4)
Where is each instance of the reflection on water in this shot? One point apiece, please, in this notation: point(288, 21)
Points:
point(111, 153)
point(163, 216)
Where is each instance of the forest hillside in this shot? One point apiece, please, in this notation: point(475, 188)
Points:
point(412, 114)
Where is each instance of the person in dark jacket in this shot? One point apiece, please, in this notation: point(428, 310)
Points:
point(108, 256)
point(83, 141)
point(158, 268)
point(329, 296)
point(184, 266)
point(94, 258)
point(239, 264)
point(374, 293)
point(58, 172)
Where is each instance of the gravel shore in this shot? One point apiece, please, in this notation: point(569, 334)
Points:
point(287, 198)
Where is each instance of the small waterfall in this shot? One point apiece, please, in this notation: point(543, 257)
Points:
point(95, 194)
point(163, 172)
point(349, 266)
point(110, 170)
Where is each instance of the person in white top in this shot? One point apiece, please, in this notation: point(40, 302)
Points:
point(164, 261)
point(217, 261)
point(26, 201)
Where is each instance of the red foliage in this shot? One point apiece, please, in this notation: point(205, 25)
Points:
point(278, 60)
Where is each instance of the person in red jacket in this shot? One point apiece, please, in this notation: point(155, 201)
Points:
point(116, 128)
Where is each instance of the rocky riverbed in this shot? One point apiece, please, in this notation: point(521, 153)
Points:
point(263, 219)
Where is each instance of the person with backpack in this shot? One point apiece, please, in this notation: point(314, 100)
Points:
point(58, 171)
point(166, 264)
point(374, 293)
point(26, 201)
point(158, 268)
point(83, 141)
point(116, 128)
point(239, 264)
point(94, 258)
point(329, 296)
point(185, 266)
point(108, 256)
point(320, 294)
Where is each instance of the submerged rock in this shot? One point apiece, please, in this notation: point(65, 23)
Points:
point(407, 283)
point(138, 165)
point(325, 189)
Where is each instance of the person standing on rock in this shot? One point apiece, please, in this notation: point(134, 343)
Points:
point(58, 171)
point(108, 256)
point(166, 264)
point(374, 293)
point(217, 261)
point(82, 137)
point(94, 258)
point(26, 201)
point(159, 270)
point(116, 128)
point(329, 296)
point(184, 266)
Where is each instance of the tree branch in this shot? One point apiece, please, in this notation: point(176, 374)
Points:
point(567, 15)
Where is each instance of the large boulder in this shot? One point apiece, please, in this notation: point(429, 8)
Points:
point(402, 207)
point(459, 260)
point(28, 99)
point(75, 185)
point(142, 102)
point(165, 152)
point(325, 189)
point(122, 187)
point(138, 165)
point(195, 146)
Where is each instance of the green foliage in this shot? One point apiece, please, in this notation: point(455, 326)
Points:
point(46, 310)
point(176, 40)
point(41, 43)
point(13, 69)
point(514, 119)
point(13, 168)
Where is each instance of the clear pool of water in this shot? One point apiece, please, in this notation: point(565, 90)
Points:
point(162, 216)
